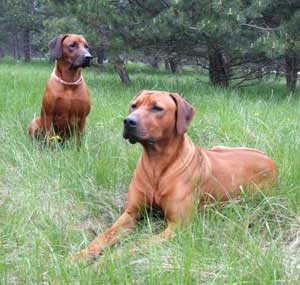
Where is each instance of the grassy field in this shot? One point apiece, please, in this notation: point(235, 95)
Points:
point(53, 201)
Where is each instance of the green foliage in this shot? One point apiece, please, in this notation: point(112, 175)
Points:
point(54, 26)
point(233, 40)
point(186, 28)
point(20, 14)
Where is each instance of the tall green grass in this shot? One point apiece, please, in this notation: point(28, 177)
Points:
point(53, 201)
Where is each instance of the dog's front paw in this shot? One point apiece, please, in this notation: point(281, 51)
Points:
point(85, 256)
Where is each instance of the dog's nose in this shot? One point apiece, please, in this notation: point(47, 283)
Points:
point(88, 57)
point(131, 121)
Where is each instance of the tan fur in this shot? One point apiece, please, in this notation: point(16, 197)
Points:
point(64, 106)
point(173, 173)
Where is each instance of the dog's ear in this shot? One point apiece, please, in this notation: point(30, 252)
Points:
point(137, 95)
point(185, 113)
point(55, 46)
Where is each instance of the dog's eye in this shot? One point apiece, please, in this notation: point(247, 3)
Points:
point(133, 106)
point(156, 109)
point(86, 46)
point(73, 45)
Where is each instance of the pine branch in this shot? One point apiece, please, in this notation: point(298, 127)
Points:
point(245, 79)
point(268, 29)
point(200, 64)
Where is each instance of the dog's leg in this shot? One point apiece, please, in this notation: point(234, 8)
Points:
point(168, 232)
point(47, 125)
point(81, 126)
point(178, 215)
point(134, 249)
point(110, 237)
point(35, 128)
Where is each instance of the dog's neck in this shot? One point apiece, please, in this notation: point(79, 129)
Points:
point(163, 155)
point(69, 76)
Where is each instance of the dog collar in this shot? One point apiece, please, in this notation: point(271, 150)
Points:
point(58, 79)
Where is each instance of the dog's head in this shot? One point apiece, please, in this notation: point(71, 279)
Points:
point(155, 116)
point(72, 49)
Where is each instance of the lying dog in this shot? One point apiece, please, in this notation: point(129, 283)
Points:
point(173, 173)
point(66, 102)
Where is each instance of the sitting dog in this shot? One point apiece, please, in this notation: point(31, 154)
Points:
point(173, 173)
point(66, 102)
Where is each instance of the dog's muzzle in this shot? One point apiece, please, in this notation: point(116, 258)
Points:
point(86, 61)
point(130, 129)
point(83, 60)
point(133, 132)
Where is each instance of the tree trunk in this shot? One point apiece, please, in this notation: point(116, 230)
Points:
point(16, 46)
point(218, 69)
point(173, 63)
point(119, 64)
point(291, 70)
point(100, 55)
point(277, 72)
point(154, 62)
point(27, 46)
point(167, 65)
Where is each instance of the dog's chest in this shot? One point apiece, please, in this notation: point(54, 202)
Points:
point(70, 104)
point(154, 193)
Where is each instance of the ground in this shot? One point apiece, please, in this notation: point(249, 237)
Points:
point(52, 202)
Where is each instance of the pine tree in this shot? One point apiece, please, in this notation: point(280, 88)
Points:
point(21, 18)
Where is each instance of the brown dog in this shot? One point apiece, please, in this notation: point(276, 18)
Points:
point(66, 102)
point(173, 173)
